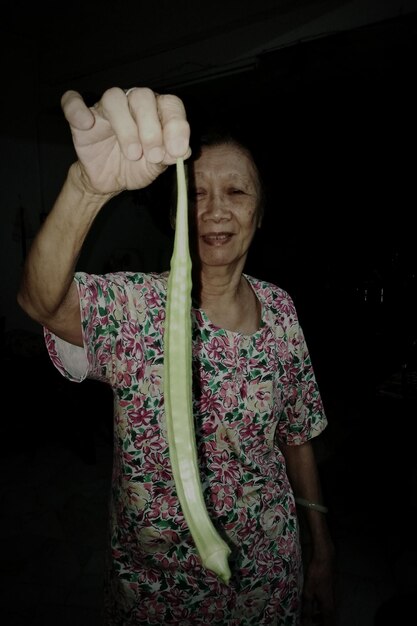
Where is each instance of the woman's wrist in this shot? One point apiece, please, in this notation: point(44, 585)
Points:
point(77, 178)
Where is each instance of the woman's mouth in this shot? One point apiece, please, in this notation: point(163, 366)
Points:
point(216, 239)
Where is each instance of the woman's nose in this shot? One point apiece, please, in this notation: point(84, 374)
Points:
point(216, 207)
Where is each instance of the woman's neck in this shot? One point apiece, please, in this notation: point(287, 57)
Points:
point(231, 304)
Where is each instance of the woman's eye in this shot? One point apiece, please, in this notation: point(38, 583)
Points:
point(236, 191)
point(195, 193)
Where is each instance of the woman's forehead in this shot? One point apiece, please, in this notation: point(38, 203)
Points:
point(227, 160)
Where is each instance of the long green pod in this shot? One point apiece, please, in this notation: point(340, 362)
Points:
point(211, 548)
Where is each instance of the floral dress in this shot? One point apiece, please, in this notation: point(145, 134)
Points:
point(249, 392)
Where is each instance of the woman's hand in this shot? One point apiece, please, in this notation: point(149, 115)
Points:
point(127, 138)
point(319, 601)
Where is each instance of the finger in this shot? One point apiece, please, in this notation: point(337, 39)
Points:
point(114, 107)
point(176, 130)
point(76, 111)
point(143, 105)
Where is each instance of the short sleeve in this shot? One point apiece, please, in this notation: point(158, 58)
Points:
point(103, 306)
point(300, 411)
point(303, 414)
point(71, 361)
point(117, 312)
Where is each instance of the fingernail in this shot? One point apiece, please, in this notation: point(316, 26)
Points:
point(179, 146)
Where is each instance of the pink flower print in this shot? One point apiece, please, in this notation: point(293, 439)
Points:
point(151, 611)
point(212, 609)
point(265, 294)
point(266, 343)
point(181, 616)
point(286, 545)
point(149, 439)
point(229, 394)
point(175, 600)
point(131, 337)
point(159, 466)
point(51, 347)
point(296, 340)
point(263, 398)
point(241, 384)
point(193, 564)
point(152, 299)
point(120, 300)
point(249, 496)
point(210, 406)
point(310, 392)
point(104, 355)
point(293, 394)
point(229, 359)
point(282, 350)
point(136, 497)
point(250, 429)
point(222, 438)
point(136, 412)
point(216, 348)
point(249, 528)
point(254, 602)
point(265, 564)
point(224, 470)
point(155, 382)
point(92, 292)
point(203, 376)
point(259, 548)
point(104, 320)
point(285, 304)
point(273, 521)
point(269, 492)
point(171, 566)
point(163, 507)
point(292, 418)
point(317, 405)
point(159, 318)
point(124, 379)
point(140, 417)
point(92, 323)
point(153, 541)
point(150, 576)
point(222, 497)
point(127, 368)
point(128, 458)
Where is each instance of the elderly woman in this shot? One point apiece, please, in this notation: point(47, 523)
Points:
point(256, 402)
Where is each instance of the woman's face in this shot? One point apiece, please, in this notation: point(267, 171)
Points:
point(226, 204)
